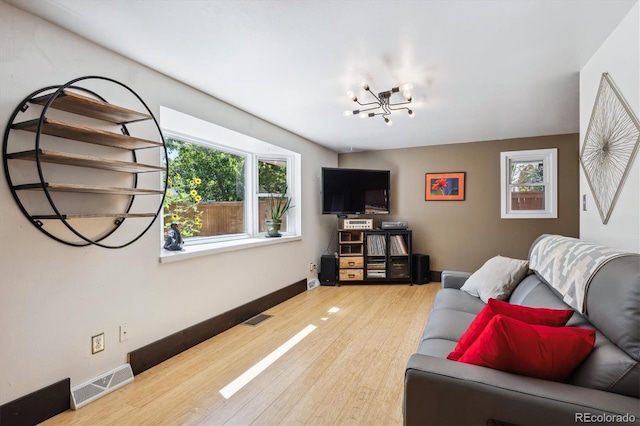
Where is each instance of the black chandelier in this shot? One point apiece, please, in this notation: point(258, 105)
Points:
point(382, 105)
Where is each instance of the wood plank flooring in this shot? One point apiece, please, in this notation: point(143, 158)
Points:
point(349, 370)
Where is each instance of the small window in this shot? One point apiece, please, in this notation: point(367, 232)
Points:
point(272, 182)
point(529, 184)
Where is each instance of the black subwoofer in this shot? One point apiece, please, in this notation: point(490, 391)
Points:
point(420, 273)
point(328, 270)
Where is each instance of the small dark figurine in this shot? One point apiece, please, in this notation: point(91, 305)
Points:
point(173, 240)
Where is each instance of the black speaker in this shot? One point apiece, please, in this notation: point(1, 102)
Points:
point(420, 273)
point(328, 270)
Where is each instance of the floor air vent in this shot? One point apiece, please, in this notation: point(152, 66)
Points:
point(100, 386)
point(257, 319)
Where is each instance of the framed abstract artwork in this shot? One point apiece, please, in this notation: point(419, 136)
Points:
point(444, 186)
point(609, 147)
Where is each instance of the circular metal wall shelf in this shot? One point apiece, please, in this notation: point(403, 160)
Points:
point(74, 119)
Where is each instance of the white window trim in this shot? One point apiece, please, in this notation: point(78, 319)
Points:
point(194, 130)
point(550, 159)
point(291, 218)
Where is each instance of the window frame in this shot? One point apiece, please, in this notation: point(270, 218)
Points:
point(190, 129)
point(549, 157)
point(290, 218)
point(248, 231)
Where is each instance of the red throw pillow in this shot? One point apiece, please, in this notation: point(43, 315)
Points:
point(540, 316)
point(550, 353)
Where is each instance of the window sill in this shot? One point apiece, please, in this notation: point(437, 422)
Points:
point(549, 215)
point(198, 250)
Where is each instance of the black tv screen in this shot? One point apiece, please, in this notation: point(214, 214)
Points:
point(355, 191)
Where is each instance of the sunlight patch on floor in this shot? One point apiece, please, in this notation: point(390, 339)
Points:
point(237, 384)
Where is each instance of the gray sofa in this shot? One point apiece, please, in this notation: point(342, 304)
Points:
point(604, 389)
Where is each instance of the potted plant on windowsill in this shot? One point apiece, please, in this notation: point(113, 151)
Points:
point(278, 206)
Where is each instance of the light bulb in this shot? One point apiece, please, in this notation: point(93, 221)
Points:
point(351, 95)
point(407, 95)
point(348, 113)
point(406, 87)
point(364, 85)
point(389, 122)
point(412, 114)
point(363, 115)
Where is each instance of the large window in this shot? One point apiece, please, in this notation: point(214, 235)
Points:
point(220, 181)
point(529, 184)
point(206, 190)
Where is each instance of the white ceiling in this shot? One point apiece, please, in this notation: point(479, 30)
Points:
point(481, 70)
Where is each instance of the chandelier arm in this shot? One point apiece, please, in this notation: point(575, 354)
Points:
point(399, 103)
point(368, 103)
point(369, 109)
point(374, 95)
point(398, 109)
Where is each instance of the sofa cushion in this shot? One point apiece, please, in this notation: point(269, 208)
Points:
point(496, 278)
point(449, 298)
point(541, 351)
point(447, 324)
point(452, 312)
point(533, 284)
point(608, 367)
point(616, 288)
point(436, 347)
point(541, 316)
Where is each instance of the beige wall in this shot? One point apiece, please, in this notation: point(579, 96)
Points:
point(462, 235)
point(54, 297)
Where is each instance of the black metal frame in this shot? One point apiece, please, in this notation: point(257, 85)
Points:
point(22, 107)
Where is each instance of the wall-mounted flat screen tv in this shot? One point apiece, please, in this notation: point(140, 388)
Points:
point(355, 191)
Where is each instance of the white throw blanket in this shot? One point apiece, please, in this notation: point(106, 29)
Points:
point(569, 265)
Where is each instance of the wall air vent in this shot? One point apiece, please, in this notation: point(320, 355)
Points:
point(96, 388)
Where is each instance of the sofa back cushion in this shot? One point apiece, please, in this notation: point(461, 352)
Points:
point(613, 303)
point(613, 309)
point(613, 300)
point(607, 367)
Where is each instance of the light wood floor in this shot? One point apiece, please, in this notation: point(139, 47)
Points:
point(349, 370)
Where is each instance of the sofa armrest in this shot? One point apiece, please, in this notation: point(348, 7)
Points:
point(443, 392)
point(454, 279)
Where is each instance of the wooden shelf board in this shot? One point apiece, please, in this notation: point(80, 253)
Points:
point(85, 161)
point(94, 216)
point(68, 187)
point(89, 107)
point(86, 134)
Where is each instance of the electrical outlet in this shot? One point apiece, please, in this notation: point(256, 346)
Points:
point(97, 343)
point(312, 267)
point(124, 332)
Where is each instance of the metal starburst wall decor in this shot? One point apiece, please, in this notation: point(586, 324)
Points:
point(609, 147)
